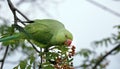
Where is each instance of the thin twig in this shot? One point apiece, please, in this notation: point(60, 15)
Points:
point(4, 57)
point(34, 46)
point(34, 65)
point(22, 14)
point(107, 54)
point(41, 59)
point(16, 19)
point(1, 60)
point(14, 10)
point(104, 7)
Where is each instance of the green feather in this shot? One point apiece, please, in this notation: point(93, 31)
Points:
point(44, 33)
point(10, 37)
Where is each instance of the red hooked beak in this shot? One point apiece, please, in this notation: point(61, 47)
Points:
point(68, 42)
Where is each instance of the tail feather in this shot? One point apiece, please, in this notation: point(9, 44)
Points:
point(9, 37)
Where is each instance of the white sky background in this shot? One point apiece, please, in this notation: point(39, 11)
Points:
point(87, 22)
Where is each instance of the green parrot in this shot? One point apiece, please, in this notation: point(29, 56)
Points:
point(44, 33)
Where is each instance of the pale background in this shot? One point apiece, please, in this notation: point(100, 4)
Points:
point(86, 21)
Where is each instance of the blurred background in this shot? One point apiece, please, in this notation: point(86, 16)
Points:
point(88, 20)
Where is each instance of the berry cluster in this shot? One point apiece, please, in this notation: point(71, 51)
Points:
point(62, 63)
point(72, 52)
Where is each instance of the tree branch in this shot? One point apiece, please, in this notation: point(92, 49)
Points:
point(104, 7)
point(4, 57)
point(103, 57)
point(16, 19)
point(22, 14)
point(14, 10)
point(34, 46)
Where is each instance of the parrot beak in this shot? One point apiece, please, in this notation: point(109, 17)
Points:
point(68, 42)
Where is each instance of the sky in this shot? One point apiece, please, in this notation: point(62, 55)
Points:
point(87, 23)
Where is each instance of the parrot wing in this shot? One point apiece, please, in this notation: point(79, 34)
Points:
point(40, 33)
point(44, 31)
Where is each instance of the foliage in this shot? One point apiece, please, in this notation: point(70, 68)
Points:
point(92, 60)
point(57, 57)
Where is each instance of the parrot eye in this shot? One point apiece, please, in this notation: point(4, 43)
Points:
point(66, 36)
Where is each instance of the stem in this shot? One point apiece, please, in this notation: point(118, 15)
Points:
point(107, 54)
point(13, 9)
point(4, 57)
point(34, 46)
point(16, 19)
point(41, 59)
point(22, 14)
point(104, 7)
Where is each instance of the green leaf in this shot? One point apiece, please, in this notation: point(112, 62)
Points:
point(3, 29)
point(84, 52)
point(29, 67)
point(16, 67)
point(116, 26)
point(32, 59)
point(23, 64)
point(84, 66)
point(70, 60)
point(63, 49)
point(48, 67)
point(104, 41)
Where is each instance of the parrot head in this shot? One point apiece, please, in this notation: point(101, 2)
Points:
point(68, 37)
point(63, 36)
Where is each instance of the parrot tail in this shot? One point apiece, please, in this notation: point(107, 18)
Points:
point(15, 36)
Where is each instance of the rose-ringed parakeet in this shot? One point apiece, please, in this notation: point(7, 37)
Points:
point(44, 33)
